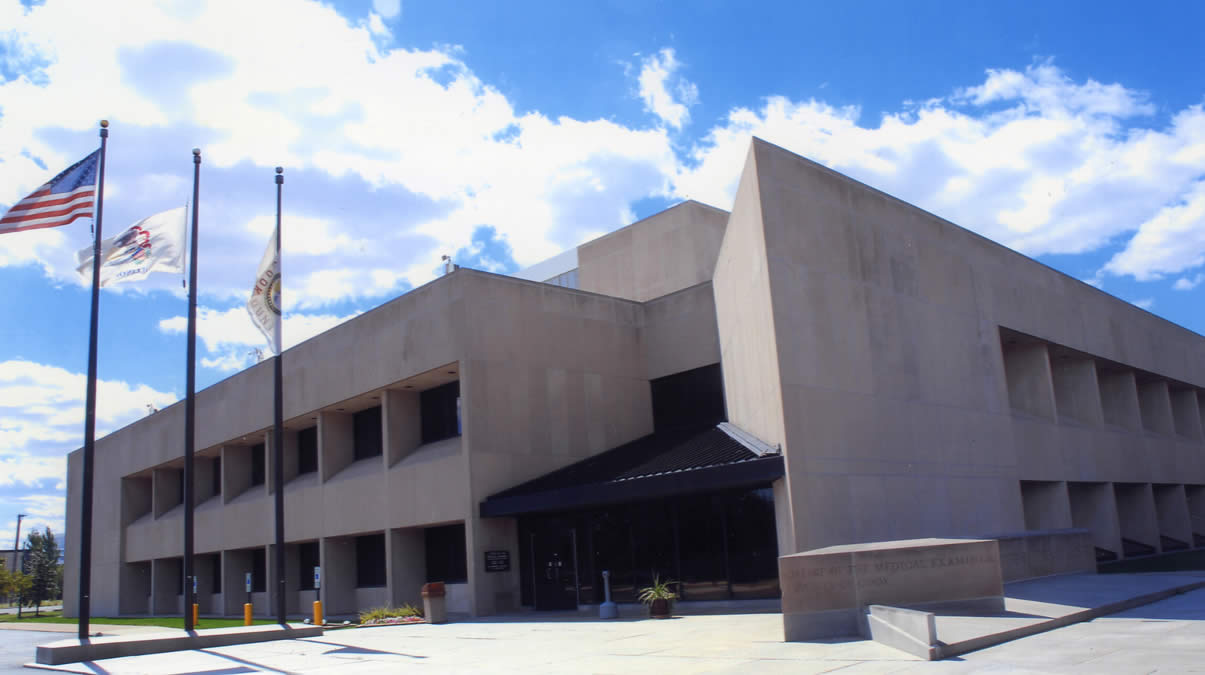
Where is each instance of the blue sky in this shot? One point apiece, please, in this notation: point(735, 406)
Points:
point(503, 133)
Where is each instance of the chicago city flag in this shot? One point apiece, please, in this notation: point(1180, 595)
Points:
point(264, 305)
point(153, 244)
point(64, 198)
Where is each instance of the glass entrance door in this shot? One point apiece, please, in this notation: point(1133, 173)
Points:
point(554, 572)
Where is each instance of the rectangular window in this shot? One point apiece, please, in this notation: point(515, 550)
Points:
point(440, 410)
point(446, 558)
point(366, 427)
point(180, 486)
point(259, 569)
point(308, 559)
point(257, 464)
point(307, 450)
point(217, 478)
point(370, 561)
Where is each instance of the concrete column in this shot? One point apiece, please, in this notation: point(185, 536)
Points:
point(784, 519)
point(1047, 505)
point(1119, 398)
point(236, 563)
point(401, 423)
point(1171, 509)
point(167, 495)
point(1155, 406)
point(492, 592)
point(135, 597)
point(166, 586)
point(407, 565)
point(339, 575)
point(293, 574)
point(1094, 507)
point(336, 444)
point(205, 566)
point(1076, 391)
point(1030, 386)
point(1186, 413)
point(1136, 513)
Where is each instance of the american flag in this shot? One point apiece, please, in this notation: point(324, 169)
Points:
point(64, 198)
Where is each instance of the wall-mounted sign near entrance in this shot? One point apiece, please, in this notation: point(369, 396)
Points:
point(497, 561)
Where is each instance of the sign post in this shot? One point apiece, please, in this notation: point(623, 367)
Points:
point(317, 601)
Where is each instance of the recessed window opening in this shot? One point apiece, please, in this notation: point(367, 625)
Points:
point(307, 450)
point(370, 561)
point(307, 559)
point(440, 410)
point(257, 464)
point(446, 556)
point(366, 428)
point(259, 570)
point(216, 478)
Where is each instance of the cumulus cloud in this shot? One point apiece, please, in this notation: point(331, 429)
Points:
point(389, 9)
point(665, 93)
point(230, 338)
point(42, 420)
point(1028, 158)
point(341, 118)
point(1187, 284)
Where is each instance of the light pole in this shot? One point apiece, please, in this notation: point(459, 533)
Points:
point(17, 541)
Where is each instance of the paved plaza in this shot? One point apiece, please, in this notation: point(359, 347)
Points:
point(1164, 637)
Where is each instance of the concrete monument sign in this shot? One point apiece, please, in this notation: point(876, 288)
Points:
point(825, 592)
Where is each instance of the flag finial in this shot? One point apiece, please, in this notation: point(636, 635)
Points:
point(280, 169)
point(104, 124)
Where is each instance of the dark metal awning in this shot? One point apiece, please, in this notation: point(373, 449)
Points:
point(655, 466)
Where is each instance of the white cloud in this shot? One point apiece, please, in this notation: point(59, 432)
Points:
point(41, 421)
point(1145, 303)
point(327, 99)
point(1187, 284)
point(388, 9)
point(230, 337)
point(658, 76)
point(1170, 241)
point(1028, 158)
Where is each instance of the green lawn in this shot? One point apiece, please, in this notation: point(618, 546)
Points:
point(164, 621)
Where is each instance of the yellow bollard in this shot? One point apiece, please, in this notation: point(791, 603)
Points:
point(195, 613)
point(247, 614)
point(317, 612)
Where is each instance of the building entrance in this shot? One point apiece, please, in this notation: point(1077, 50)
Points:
point(554, 572)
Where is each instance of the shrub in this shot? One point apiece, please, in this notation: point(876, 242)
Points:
point(385, 614)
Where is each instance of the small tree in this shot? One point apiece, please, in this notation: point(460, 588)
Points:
point(18, 586)
point(42, 565)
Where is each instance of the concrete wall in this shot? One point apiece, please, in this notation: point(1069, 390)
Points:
point(548, 376)
point(664, 253)
point(901, 393)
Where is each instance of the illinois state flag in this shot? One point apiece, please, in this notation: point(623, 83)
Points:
point(64, 198)
point(264, 305)
point(153, 244)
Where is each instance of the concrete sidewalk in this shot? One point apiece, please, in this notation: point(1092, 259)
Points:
point(1169, 636)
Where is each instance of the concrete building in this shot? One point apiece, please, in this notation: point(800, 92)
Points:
point(689, 396)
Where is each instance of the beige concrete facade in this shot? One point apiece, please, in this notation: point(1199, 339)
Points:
point(920, 380)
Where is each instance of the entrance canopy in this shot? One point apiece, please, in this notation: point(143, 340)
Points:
point(658, 465)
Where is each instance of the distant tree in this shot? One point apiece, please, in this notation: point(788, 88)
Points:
point(17, 585)
point(42, 566)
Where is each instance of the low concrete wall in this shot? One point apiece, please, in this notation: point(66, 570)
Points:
point(1043, 553)
point(824, 591)
point(95, 649)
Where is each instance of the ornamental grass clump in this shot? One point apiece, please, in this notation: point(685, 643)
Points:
point(379, 616)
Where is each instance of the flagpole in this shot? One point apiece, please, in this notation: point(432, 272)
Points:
point(278, 472)
point(85, 544)
point(189, 398)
